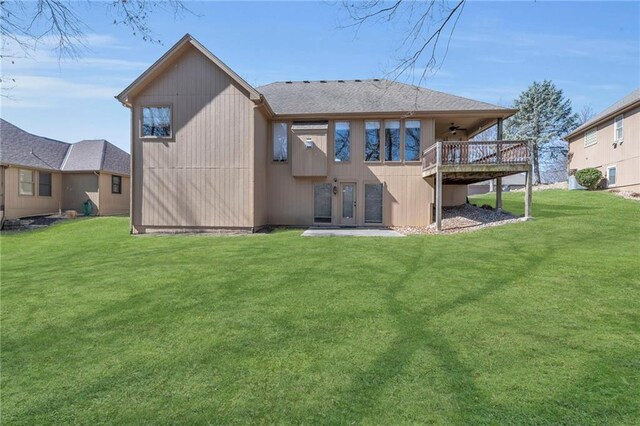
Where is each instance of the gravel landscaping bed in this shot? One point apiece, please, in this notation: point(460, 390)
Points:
point(465, 218)
point(629, 195)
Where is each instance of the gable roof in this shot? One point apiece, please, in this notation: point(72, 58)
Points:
point(96, 155)
point(20, 148)
point(624, 103)
point(159, 65)
point(365, 96)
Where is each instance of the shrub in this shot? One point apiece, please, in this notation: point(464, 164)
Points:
point(588, 177)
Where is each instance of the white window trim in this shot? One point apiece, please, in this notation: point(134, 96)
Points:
point(586, 134)
point(151, 137)
point(614, 166)
point(618, 119)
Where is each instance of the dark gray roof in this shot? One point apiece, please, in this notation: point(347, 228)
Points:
point(20, 148)
point(96, 155)
point(362, 96)
point(630, 99)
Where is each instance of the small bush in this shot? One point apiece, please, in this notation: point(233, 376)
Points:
point(588, 177)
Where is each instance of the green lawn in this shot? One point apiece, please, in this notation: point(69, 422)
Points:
point(531, 323)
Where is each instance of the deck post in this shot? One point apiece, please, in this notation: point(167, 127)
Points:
point(498, 184)
point(438, 186)
point(528, 185)
point(499, 194)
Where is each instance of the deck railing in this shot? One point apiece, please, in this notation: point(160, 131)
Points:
point(476, 152)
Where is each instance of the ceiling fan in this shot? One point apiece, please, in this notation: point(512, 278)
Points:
point(453, 129)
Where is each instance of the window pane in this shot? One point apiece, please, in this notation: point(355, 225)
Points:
point(116, 184)
point(280, 142)
point(342, 141)
point(412, 140)
point(372, 141)
point(322, 202)
point(392, 140)
point(156, 121)
point(373, 203)
point(590, 137)
point(26, 184)
point(612, 176)
point(44, 184)
point(618, 127)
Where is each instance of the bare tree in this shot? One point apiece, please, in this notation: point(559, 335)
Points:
point(429, 23)
point(586, 113)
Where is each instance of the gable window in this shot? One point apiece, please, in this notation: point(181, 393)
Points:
point(618, 131)
point(611, 175)
point(373, 203)
point(322, 202)
point(26, 185)
point(392, 140)
point(156, 122)
point(372, 141)
point(116, 184)
point(44, 184)
point(342, 142)
point(412, 140)
point(591, 137)
point(280, 142)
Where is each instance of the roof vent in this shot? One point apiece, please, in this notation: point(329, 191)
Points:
point(323, 81)
point(287, 82)
point(376, 79)
point(306, 81)
point(358, 81)
point(340, 81)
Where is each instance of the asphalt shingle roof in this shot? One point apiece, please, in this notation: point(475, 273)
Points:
point(631, 98)
point(362, 96)
point(21, 148)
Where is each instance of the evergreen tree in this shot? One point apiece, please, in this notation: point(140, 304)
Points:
point(544, 116)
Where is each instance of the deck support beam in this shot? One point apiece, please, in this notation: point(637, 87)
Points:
point(438, 187)
point(499, 194)
point(528, 187)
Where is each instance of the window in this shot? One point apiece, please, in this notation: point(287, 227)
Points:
point(156, 122)
point(44, 184)
point(591, 137)
point(373, 203)
point(372, 141)
point(342, 142)
point(618, 132)
point(26, 184)
point(392, 140)
point(116, 184)
point(611, 175)
point(322, 202)
point(280, 143)
point(412, 140)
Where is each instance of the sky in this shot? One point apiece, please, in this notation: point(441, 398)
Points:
point(591, 50)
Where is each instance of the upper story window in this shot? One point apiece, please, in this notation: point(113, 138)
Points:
point(392, 140)
point(116, 184)
point(156, 122)
point(412, 140)
point(280, 141)
point(591, 137)
point(618, 132)
point(342, 142)
point(26, 185)
point(44, 184)
point(372, 141)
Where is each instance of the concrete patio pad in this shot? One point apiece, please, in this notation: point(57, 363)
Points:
point(350, 232)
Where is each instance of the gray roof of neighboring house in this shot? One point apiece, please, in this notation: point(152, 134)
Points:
point(96, 155)
point(628, 100)
point(363, 96)
point(21, 148)
point(24, 149)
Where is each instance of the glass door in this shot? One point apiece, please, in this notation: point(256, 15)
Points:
point(348, 216)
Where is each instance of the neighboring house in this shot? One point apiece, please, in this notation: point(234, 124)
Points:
point(516, 181)
point(40, 176)
point(610, 142)
point(211, 151)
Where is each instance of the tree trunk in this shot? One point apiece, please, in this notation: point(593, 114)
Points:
point(536, 164)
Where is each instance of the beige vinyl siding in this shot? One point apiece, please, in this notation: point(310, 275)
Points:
point(625, 156)
point(202, 176)
point(308, 162)
point(113, 204)
point(78, 188)
point(17, 206)
point(407, 197)
point(261, 157)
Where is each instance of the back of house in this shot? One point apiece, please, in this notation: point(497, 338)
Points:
point(610, 142)
point(210, 151)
